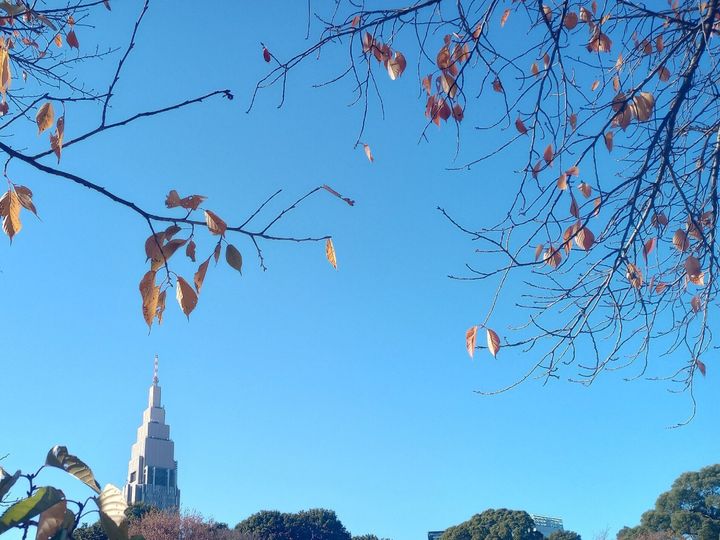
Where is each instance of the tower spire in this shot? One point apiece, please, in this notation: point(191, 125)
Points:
point(155, 370)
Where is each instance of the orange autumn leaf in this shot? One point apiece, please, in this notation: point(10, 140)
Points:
point(562, 183)
point(634, 276)
point(648, 248)
point(330, 253)
point(608, 141)
point(470, 337)
point(186, 296)
point(44, 117)
point(199, 276)
point(10, 207)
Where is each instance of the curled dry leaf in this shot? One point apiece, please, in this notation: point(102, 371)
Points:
point(493, 342)
point(520, 126)
point(199, 276)
point(504, 17)
point(191, 202)
point(574, 209)
point(56, 139)
point(634, 276)
point(266, 54)
point(396, 65)
point(538, 251)
point(695, 303)
point(700, 366)
point(368, 153)
point(330, 252)
point(598, 204)
point(648, 248)
point(594, 85)
point(547, 13)
point(190, 250)
point(680, 241)
point(573, 121)
point(216, 253)
point(573, 171)
point(698, 279)
point(643, 105)
point(609, 141)
point(45, 116)
point(470, 337)
point(585, 189)
point(534, 69)
point(548, 154)
point(448, 84)
point(599, 42)
point(427, 84)
point(186, 296)
point(327, 188)
point(214, 223)
point(25, 197)
point(497, 85)
point(568, 235)
point(664, 74)
point(234, 257)
point(5, 72)
point(562, 182)
point(51, 520)
point(150, 294)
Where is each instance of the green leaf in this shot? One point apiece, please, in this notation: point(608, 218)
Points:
point(112, 507)
point(26, 509)
point(7, 481)
point(59, 457)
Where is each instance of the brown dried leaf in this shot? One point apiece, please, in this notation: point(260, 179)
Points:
point(10, 211)
point(573, 121)
point(72, 40)
point(594, 85)
point(25, 197)
point(548, 154)
point(470, 337)
point(695, 303)
point(553, 257)
point(609, 141)
point(574, 210)
point(573, 171)
point(538, 251)
point(692, 266)
point(199, 277)
point(214, 223)
point(562, 182)
point(520, 126)
point(190, 250)
point(659, 219)
point(570, 20)
point(634, 276)
point(504, 17)
point(497, 85)
point(585, 238)
point(150, 294)
point(493, 342)
point(191, 202)
point(396, 65)
point(56, 139)
point(598, 204)
point(664, 74)
point(700, 366)
point(44, 117)
point(368, 153)
point(648, 248)
point(186, 296)
point(680, 241)
point(643, 106)
point(585, 189)
point(233, 257)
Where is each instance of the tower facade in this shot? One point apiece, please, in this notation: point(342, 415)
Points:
point(152, 470)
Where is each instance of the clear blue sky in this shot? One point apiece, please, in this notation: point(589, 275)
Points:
point(303, 386)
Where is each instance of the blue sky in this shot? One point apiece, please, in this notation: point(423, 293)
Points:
point(303, 386)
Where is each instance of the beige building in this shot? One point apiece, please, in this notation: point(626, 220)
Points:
point(152, 471)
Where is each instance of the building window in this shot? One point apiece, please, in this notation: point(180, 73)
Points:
point(161, 477)
point(132, 477)
point(172, 478)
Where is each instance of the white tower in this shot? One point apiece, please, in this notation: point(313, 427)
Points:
point(152, 471)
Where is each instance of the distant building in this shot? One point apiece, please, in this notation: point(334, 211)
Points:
point(543, 524)
point(152, 470)
point(547, 525)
